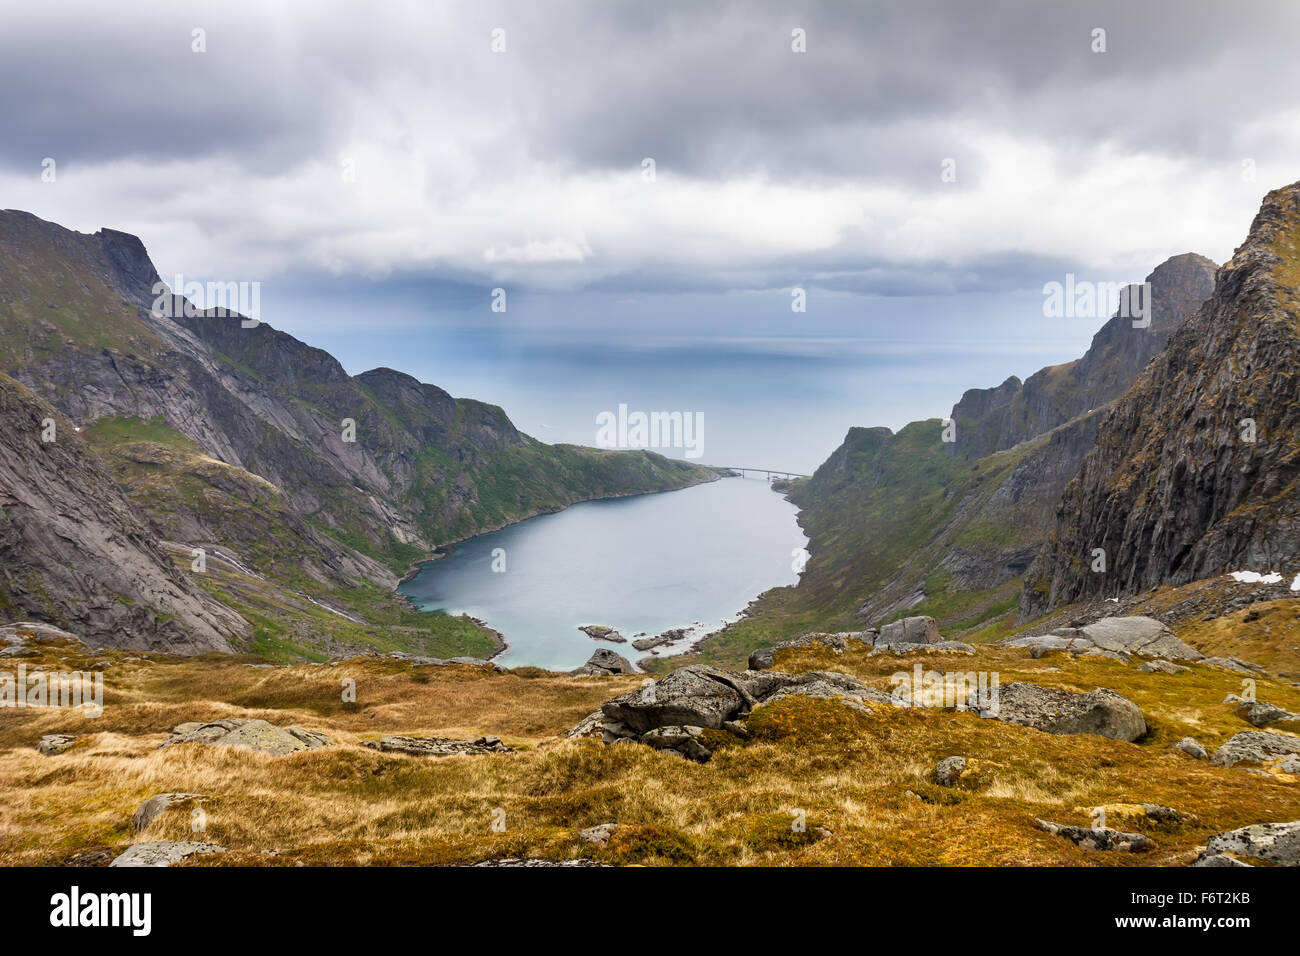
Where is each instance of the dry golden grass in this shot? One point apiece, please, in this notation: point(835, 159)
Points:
point(862, 781)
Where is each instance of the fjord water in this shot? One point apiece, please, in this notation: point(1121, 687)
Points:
point(646, 563)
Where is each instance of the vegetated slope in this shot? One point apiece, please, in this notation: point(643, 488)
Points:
point(1175, 488)
point(908, 523)
point(74, 553)
point(79, 328)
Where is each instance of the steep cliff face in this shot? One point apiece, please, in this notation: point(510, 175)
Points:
point(1194, 470)
point(992, 419)
point(74, 553)
point(910, 523)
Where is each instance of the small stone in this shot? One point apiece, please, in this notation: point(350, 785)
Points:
point(949, 770)
point(51, 745)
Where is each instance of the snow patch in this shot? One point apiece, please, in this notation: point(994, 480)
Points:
point(1254, 577)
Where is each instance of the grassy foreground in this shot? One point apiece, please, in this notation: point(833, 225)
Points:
point(861, 780)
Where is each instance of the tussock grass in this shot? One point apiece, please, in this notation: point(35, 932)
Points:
point(860, 781)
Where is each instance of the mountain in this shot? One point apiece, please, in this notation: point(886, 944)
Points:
point(299, 476)
point(73, 550)
point(1194, 471)
point(907, 523)
point(993, 419)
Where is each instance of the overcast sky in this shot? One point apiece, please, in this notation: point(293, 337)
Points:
point(381, 158)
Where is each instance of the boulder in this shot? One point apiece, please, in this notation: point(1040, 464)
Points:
point(683, 741)
point(1161, 667)
point(1191, 747)
point(1274, 843)
point(910, 630)
point(938, 647)
point(51, 745)
point(155, 806)
point(163, 853)
point(1256, 746)
point(249, 734)
point(1233, 664)
point(599, 632)
point(1144, 636)
point(1260, 714)
point(589, 726)
point(949, 770)
point(671, 713)
point(439, 746)
point(1099, 839)
point(598, 835)
point(1102, 712)
point(603, 663)
point(696, 695)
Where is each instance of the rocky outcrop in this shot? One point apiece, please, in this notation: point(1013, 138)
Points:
point(51, 745)
point(163, 853)
point(1102, 712)
point(599, 632)
point(605, 663)
point(992, 419)
point(1196, 470)
point(439, 746)
point(73, 551)
point(249, 734)
point(1089, 838)
point(1256, 747)
point(156, 806)
point(1261, 714)
point(904, 636)
point(1274, 844)
point(673, 712)
point(1140, 636)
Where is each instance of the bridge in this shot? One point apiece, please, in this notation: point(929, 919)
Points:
point(770, 472)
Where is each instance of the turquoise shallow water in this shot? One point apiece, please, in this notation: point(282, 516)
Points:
point(647, 563)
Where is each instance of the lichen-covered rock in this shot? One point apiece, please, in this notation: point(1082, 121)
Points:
point(1099, 839)
point(51, 745)
point(1102, 712)
point(589, 726)
point(155, 806)
point(1260, 714)
point(1143, 636)
point(1256, 746)
point(1161, 667)
point(249, 734)
point(921, 629)
point(163, 853)
point(439, 746)
point(684, 741)
point(603, 663)
point(598, 835)
point(1274, 843)
point(949, 770)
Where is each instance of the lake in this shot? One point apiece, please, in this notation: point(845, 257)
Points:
point(689, 558)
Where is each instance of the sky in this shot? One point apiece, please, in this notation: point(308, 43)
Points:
point(649, 183)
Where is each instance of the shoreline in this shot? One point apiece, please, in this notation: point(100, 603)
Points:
point(447, 548)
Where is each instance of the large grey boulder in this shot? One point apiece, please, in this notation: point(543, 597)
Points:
point(51, 745)
point(1102, 712)
point(1275, 843)
point(1256, 746)
point(1090, 838)
point(163, 853)
point(439, 746)
point(1260, 714)
point(155, 806)
point(697, 696)
point(248, 734)
point(603, 663)
point(671, 713)
point(1144, 636)
point(910, 630)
